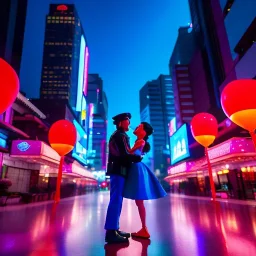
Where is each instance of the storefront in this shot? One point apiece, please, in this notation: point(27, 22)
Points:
point(33, 165)
point(234, 171)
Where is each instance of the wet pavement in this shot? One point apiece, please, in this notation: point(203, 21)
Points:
point(178, 225)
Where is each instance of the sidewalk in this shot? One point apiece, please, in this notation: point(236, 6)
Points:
point(230, 201)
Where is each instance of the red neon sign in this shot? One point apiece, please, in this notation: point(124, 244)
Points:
point(62, 7)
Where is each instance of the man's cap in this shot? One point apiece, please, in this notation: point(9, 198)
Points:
point(121, 117)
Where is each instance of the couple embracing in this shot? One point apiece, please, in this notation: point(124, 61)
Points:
point(129, 177)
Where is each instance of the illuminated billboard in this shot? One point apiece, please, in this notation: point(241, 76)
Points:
point(80, 150)
point(180, 144)
point(81, 75)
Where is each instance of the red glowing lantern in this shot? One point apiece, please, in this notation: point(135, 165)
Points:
point(204, 128)
point(239, 104)
point(9, 86)
point(62, 138)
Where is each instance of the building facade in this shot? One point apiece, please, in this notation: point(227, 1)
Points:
point(157, 108)
point(12, 20)
point(65, 57)
point(225, 51)
point(97, 137)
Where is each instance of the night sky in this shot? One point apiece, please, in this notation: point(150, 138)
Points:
point(130, 43)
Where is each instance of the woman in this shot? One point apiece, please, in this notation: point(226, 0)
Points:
point(141, 183)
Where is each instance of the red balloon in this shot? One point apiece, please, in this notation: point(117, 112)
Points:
point(204, 128)
point(239, 104)
point(9, 86)
point(62, 137)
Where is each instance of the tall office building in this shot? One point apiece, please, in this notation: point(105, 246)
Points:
point(12, 20)
point(241, 40)
point(224, 50)
point(65, 58)
point(214, 57)
point(157, 108)
point(97, 137)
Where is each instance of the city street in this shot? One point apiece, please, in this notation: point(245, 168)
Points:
point(178, 226)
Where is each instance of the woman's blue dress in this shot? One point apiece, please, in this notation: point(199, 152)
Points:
point(141, 183)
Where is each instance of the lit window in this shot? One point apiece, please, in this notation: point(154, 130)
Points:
point(57, 18)
point(53, 18)
point(57, 21)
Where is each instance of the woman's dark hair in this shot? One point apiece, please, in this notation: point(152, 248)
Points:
point(149, 130)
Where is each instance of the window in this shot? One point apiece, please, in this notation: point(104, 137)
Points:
point(185, 89)
point(183, 75)
point(187, 111)
point(187, 104)
point(181, 68)
point(186, 96)
point(183, 82)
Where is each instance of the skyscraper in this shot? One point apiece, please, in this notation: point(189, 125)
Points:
point(12, 20)
point(157, 108)
point(65, 58)
point(97, 137)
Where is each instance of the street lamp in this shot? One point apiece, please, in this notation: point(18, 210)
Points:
point(204, 128)
point(62, 138)
point(9, 86)
point(238, 101)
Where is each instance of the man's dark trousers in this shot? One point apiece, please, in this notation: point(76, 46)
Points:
point(115, 203)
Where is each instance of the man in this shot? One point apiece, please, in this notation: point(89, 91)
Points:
point(119, 161)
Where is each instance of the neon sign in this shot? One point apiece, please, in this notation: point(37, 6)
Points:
point(23, 146)
point(179, 145)
point(62, 7)
point(81, 75)
point(86, 63)
point(91, 108)
point(172, 126)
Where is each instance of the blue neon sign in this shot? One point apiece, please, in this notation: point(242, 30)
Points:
point(180, 145)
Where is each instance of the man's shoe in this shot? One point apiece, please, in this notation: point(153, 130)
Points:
point(123, 234)
point(112, 237)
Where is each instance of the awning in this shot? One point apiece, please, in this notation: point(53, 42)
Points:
point(236, 152)
point(35, 151)
point(39, 152)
